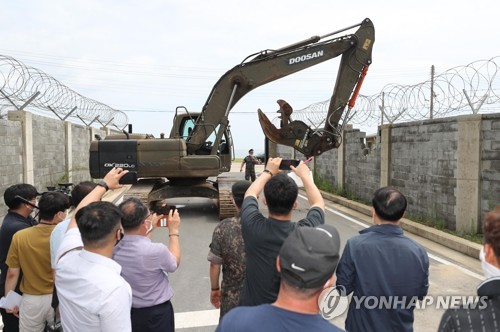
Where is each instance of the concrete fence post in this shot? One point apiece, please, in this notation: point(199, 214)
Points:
point(106, 130)
point(385, 155)
point(468, 205)
point(26, 119)
point(69, 150)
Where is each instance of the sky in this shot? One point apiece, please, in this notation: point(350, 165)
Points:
point(148, 57)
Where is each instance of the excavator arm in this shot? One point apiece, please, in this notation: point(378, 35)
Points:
point(270, 65)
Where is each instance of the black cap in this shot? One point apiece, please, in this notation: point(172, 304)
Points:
point(239, 188)
point(309, 256)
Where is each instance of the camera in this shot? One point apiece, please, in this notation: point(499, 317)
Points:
point(286, 163)
point(64, 188)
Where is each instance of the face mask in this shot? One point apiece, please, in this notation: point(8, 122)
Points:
point(150, 228)
point(489, 270)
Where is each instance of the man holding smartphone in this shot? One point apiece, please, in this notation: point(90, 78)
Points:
point(145, 265)
point(264, 236)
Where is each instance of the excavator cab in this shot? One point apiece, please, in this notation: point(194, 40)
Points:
point(183, 125)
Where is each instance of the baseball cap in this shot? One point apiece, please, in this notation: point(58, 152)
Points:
point(309, 256)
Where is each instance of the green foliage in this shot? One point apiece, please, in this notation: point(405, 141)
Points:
point(433, 220)
point(440, 224)
point(63, 178)
point(326, 185)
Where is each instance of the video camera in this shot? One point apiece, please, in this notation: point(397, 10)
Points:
point(64, 188)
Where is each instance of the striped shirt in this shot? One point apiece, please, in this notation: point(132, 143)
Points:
point(479, 317)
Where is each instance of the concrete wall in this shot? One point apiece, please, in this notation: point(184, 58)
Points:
point(423, 165)
point(48, 152)
point(490, 162)
point(42, 151)
point(449, 169)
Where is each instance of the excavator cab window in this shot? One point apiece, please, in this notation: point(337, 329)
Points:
point(187, 127)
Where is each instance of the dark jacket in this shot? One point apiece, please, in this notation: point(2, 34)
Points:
point(382, 263)
point(12, 223)
point(482, 316)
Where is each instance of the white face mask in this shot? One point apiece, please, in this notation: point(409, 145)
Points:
point(489, 270)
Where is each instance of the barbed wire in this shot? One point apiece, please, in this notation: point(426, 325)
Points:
point(459, 90)
point(24, 86)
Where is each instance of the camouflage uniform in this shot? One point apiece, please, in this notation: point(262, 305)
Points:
point(227, 248)
point(250, 162)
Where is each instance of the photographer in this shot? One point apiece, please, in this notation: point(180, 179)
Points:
point(264, 236)
point(92, 294)
point(145, 265)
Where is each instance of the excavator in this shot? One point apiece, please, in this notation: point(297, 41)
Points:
point(200, 145)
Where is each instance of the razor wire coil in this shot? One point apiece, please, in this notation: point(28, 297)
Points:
point(459, 90)
point(19, 83)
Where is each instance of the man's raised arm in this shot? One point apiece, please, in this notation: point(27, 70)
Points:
point(313, 194)
point(111, 181)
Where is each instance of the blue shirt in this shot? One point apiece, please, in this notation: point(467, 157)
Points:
point(267, 317)
point(379, 262)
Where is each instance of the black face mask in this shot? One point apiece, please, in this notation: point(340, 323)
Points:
point(121, 237)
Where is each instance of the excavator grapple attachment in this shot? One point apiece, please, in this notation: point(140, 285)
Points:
point(300, 136)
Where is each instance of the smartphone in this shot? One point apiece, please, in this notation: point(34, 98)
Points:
point(129, 178)
point(163, 209)
point(286, 163)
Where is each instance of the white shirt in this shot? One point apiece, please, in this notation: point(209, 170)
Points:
point(55, 240)
point(92, 294)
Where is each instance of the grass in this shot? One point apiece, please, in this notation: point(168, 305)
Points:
point(431, 221)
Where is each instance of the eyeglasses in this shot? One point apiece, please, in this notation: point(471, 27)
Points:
point(149, 215)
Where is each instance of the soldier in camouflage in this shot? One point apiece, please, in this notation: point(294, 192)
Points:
point(249, 161)
point(228, 250)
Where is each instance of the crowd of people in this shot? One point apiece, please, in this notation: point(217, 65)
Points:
point(96, 268)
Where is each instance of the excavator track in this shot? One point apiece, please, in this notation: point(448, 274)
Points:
point(142, 189)
point(225, 182)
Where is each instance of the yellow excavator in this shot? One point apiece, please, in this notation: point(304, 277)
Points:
point(200, 145)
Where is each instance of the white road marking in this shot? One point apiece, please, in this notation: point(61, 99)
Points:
point(196, 319)
point(432, 256)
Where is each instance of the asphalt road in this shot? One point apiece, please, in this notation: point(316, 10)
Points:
point(451, 273)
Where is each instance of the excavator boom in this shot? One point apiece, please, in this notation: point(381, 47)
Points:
point(270, 65)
